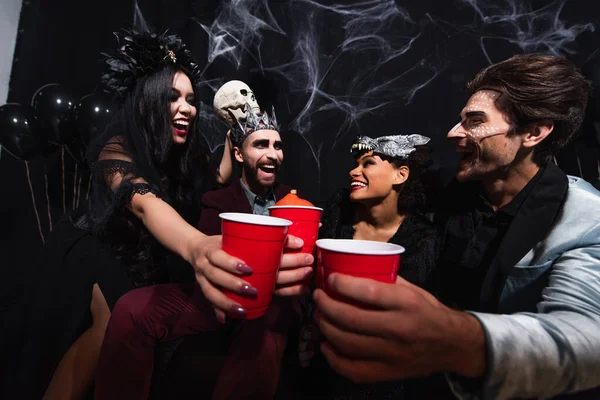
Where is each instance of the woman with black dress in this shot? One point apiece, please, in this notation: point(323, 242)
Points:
point(386, 202)
point(147, 165)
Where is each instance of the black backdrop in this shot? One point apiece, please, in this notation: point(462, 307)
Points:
point(332, 70)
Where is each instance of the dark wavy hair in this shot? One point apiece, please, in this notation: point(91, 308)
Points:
point(173, 164)
point(416, 192)
point(537, 88)
point(144, 125)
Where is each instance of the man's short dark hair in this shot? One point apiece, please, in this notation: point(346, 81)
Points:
point(537, 88)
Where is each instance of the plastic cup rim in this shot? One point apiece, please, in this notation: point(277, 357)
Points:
point(254, 219)
point(363, 247)
point(304, 207)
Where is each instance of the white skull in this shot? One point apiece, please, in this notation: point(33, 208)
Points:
point(232, 97)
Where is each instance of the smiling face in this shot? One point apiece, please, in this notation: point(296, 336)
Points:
point(481, 138)
point(182, 108)
point(261, 155)
point(375, 179)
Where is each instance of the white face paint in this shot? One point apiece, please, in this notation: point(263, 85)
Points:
point(481, 104)
point(481, 138)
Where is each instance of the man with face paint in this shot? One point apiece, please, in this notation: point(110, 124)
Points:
point(258, 148)
point(249, 363)
point(521, 257)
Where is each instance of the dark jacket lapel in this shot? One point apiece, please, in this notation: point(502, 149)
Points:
point(530, 225)
point(240, 200)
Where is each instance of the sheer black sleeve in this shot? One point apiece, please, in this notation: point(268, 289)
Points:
point(129, 185)
point(116, 179)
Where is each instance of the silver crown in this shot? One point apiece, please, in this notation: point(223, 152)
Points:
point(253, 122)
point(396, 146)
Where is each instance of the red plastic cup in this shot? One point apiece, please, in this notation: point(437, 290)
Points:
point(257, 240)
point(361, 258)
point(305, 223)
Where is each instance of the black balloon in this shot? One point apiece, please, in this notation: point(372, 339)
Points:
point(91, 115)
point(19, 131)
point(77, 151)
point(53, 105)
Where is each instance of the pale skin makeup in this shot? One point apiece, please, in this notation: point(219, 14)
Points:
point(482, 101)
point(405, 331)
point(481, 138)
point(503, 163)
point(261, 155)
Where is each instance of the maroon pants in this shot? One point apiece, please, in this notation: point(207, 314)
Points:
point(146, 316)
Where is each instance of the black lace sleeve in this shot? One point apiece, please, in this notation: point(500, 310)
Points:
point(108, 168)
point(142, 188)
point(116, 180)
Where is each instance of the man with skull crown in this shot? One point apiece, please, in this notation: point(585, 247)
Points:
point(258, 149)
point(143, 318)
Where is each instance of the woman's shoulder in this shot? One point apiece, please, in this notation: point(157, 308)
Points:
point(417, 228)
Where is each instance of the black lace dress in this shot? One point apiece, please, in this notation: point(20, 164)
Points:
point(104, 244)
point(422, 241)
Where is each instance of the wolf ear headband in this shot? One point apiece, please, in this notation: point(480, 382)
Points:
point(395, 146)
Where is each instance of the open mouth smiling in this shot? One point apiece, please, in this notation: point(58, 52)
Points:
point(181, 126)
point(356, 185)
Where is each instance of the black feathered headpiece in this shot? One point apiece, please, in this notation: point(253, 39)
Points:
point(140, 53)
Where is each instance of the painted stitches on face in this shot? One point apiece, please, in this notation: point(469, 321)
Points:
point(481, 137)
point(476, 124)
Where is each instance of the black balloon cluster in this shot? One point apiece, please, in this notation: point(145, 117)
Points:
point(54, 119)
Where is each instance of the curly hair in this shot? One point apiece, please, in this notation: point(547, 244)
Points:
point(416, 192)
point(537, 88)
